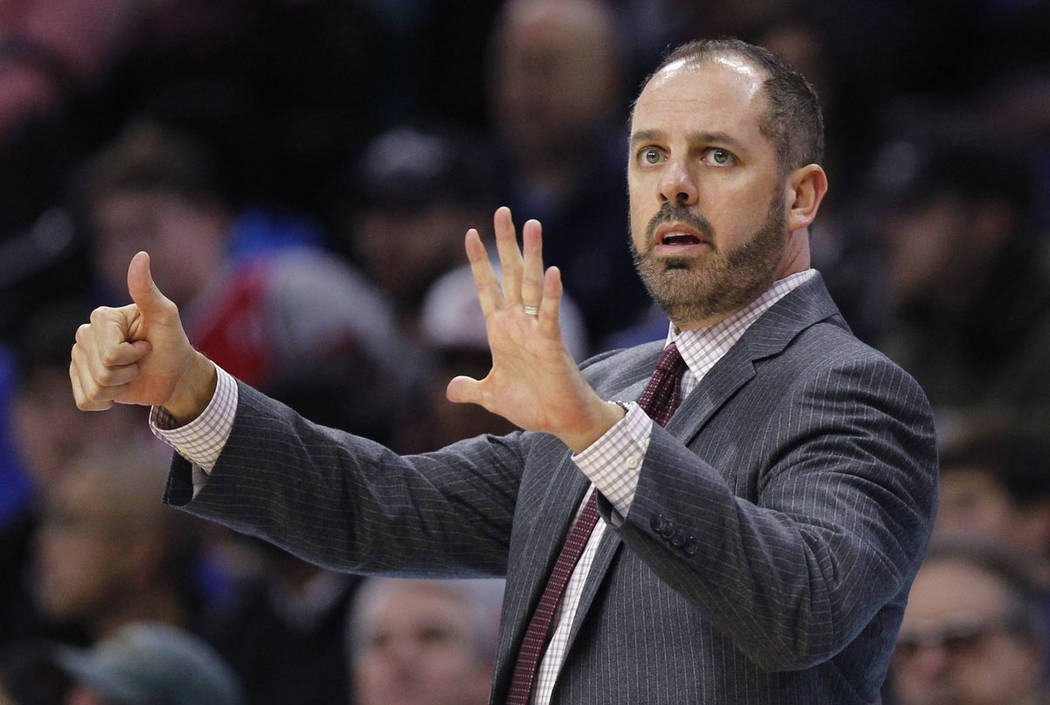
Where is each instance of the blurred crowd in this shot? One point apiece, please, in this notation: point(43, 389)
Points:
point(302, 173)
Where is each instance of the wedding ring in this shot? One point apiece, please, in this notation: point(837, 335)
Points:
point(531, 310)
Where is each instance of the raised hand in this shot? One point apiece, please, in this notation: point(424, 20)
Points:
point(534, 382)
point(139, 354)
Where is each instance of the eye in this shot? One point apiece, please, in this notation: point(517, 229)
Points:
point(650, 155)
point(378, 641)
point(716, 156)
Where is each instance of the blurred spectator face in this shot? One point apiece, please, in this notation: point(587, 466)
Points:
point(802, 45)
point(50, 431)
point(80, 37)
point(25, 91)
point(454, 422)
point(185, 240)
point(556, 74)
point(419, 645)
point(404, 249)
point(84, 556)
point(956, 645)
point(924, 247)
point(972, 502)
point(103, 544)
point(419, 190)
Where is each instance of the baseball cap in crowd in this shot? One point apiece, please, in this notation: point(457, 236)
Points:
point(452, 318)
point(144, 663)
point(411, 166)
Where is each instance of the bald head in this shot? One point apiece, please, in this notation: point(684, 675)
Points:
point(793, 120)
point(556, 72)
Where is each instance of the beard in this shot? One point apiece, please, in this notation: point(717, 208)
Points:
point(716, 284)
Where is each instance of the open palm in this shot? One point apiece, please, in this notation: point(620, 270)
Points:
point(534, 382)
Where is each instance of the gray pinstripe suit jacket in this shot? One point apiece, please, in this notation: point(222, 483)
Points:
point(779, 519)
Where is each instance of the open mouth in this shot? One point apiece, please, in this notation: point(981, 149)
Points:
point(674, 235)
point(679, 238)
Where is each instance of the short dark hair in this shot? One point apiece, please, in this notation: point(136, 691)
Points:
point(794, 122)
point(1025, 608)
point(1016, 458)
point(148, 156)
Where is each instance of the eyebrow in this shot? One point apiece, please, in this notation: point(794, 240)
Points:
point(693, 137)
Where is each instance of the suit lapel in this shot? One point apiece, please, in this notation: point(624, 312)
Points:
point(717, 386)
point(769, 335)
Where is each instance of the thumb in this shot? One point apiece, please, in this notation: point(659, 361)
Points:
point(143, 290)
point(464, 390)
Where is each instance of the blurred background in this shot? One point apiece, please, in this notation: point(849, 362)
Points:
point(302, 173)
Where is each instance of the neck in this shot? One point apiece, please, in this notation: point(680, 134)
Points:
point(155, 604)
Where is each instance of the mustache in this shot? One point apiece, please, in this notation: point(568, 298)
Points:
point(674, 212)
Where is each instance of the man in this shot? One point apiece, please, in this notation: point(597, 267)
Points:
point(555, 94)
point(423, 642)
point(757, 549)
point(246, 280)
point(404, 207)
point(973, 632)
point(995, 486)
point(967, 275)
point(49, 436)
point(103, 556)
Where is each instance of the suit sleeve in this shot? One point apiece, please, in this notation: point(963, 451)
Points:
point(350, 504)
point(843, 468)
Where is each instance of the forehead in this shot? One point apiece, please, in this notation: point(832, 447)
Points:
point(722, 93)
point(947, 587)
point(972, 479)
point(411, 604)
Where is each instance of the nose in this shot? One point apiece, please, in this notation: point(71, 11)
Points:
point(678, 184)
point(928, 661)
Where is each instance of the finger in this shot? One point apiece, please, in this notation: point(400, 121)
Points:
point(108, 362)
point(509, 255)
point(143, 290)
point(464, 390)
point(83, 403)
point(107, 366)
point(551, 303)
point(89, 394)
point(532, 271)
point(108, 335)
point(490, 296)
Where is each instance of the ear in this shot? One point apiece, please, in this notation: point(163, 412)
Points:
point(993, 224)
point(1031, 526)
point(806, 187)
point(145, 555)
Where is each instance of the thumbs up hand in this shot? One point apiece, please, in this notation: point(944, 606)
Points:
point(139, 354)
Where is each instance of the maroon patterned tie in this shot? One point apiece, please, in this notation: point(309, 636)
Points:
point(660, 399)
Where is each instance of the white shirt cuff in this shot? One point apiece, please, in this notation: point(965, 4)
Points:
point(201, 441)
point(614, 461)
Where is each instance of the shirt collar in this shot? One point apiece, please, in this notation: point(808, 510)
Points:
point(703, 347)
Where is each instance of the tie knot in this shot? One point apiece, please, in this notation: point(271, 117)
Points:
point(670, 360)
point(663, 393)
